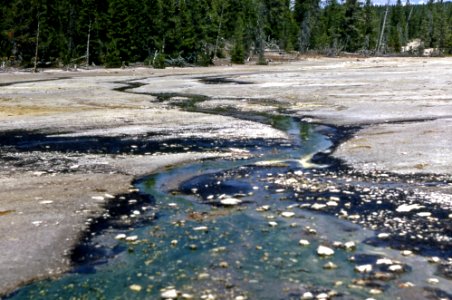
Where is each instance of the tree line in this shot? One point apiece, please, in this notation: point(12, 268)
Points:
point(119, 32)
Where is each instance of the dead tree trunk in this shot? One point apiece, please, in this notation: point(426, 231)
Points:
point(87, 45)
point(36, 50)
point(383, 26)
point(218, 33)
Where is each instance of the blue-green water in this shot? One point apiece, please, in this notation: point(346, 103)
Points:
point(204, 250)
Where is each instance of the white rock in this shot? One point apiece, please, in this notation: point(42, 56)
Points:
point(169, 294)
point(98, 198)
point(395, 268)
point(324, 251)
point(287, 214)
point(46, 202)
point(135, 287)
point(424, 214)
point(330, 266)
point(433, 280)
point(230, 201)
point(322, 296)
point(318, 206)
point(263, 208)
point(120, 236)
point(132, 238)
point(272, 224)
point(363, 268)
point(434, 259)
point(304, 243)
point(201, 228)
point(408, 207)
point(240, 298)
point(280, 190)
point(350, 245)
point(383, 235)
point(307, 295)
point(109, 196)
point(406, 252)
point(384, 261)
point(337, 244)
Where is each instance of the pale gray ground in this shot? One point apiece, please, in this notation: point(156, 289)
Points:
point(390, 98)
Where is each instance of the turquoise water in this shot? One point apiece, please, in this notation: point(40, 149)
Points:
point(201, 249)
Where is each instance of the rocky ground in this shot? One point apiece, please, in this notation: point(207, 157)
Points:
point(71, 141)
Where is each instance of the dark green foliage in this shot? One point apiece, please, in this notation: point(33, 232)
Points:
point(191, 31)
point(238, 50)
point(159, 61)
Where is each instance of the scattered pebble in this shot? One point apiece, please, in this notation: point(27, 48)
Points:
point(169, 294)
point(364, 268)
point(408, 207)
point(201, 228)
point(396, 268)
point(383, 235)
point(135, 287)
point(272, 224)
point(287, 214)
point(434, 260)
point(304, 243)
point(230, 201)
point(324, 251)
point(120, 236)
point(384, 261)
point(405, 285)
point(318, 206)
point(433, 281)
point(307, 295)
point(46, 202)
point(350, 245)
point(132, 238)
point(406, 252)
point(322, 296)
point(202, 276)
point(424, 214)
point(330, 266)
point(375, 291)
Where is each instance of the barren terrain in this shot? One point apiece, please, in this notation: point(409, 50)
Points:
point(401, 109)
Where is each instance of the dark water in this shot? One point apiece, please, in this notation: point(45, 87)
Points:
point(187, 240)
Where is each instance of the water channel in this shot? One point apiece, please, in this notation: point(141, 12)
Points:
point(180, 238)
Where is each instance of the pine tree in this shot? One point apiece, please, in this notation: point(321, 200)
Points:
point(306, 15)
point(351, 34)
point(238, 50)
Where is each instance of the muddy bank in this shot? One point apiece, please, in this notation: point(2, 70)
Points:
point(49, 189)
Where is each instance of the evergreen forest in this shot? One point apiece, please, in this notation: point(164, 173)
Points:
point(158, 32)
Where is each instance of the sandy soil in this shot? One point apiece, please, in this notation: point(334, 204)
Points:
point(389, 98)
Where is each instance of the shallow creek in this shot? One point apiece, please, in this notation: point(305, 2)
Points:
point(181, 239)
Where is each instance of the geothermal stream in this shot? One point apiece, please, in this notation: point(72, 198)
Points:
point(279, 221)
